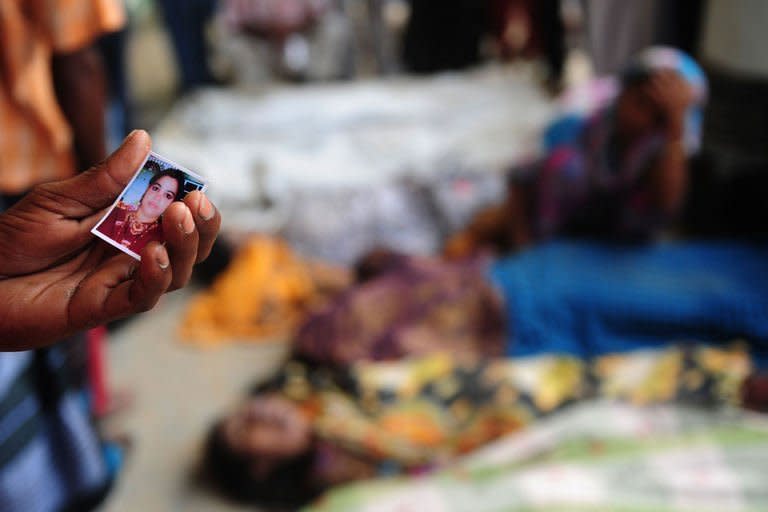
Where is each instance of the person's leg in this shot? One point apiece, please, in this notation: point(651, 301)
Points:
point(444, 35)
point(549, 26)
point(186, 20)
point(119, 122)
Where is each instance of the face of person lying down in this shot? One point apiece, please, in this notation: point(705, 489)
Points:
point(268, 426)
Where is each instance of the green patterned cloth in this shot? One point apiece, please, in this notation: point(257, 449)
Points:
point(594, 456)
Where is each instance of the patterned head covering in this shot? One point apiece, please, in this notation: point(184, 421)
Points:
point(663, 57)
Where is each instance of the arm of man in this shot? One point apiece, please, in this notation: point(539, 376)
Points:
point(669, 176)
point(73, 27)
point(81, 89)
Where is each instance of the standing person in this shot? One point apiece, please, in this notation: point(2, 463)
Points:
point(52, 110)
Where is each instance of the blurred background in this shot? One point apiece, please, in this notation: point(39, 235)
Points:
point(475, 254)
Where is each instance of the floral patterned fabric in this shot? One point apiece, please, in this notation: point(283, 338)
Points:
point(425, 411)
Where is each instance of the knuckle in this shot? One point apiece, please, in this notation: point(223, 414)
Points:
point(43, 193)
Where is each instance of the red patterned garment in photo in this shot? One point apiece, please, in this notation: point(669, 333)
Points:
point(122, 226)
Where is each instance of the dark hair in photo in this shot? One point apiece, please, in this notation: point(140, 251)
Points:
point(153, 166)
point(286, 487)
point(176, 175)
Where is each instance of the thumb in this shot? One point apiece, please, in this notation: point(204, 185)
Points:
point(99, 186)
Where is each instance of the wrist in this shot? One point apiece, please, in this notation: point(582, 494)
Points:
point(675, 145)
point(674, 132)
point(675, 125)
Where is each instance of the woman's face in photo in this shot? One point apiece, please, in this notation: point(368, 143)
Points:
point(159, 196)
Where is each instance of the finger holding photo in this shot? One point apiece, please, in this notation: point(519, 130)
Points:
point(182, 240)
point(197, 223)
point(207, 219)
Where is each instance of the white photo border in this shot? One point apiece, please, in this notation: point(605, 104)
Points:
point(165, 162)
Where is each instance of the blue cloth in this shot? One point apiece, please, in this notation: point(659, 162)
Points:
point(51, 456)
point(588, 299)
point(564, 131)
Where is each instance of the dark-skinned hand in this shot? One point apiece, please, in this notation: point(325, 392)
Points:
point(672, 95)
point(57, 278)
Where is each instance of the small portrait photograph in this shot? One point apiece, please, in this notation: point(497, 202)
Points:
point(136, 217)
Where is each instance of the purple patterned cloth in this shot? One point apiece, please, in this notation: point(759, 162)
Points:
point(413, 306)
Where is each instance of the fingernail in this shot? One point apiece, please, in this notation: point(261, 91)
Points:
point(129, 137)
point(188, 224)
point(161, 258)
point(205, 209)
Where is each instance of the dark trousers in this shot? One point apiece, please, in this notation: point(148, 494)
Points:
point(549, 26)
point(186, 20)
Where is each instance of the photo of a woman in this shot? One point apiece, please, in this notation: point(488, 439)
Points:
point(136, 220)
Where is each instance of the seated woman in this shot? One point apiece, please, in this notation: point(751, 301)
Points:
point(310, 429)
point(135, 227)
point(621, 175)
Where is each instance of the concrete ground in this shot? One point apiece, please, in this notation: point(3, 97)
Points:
point(178, 392)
